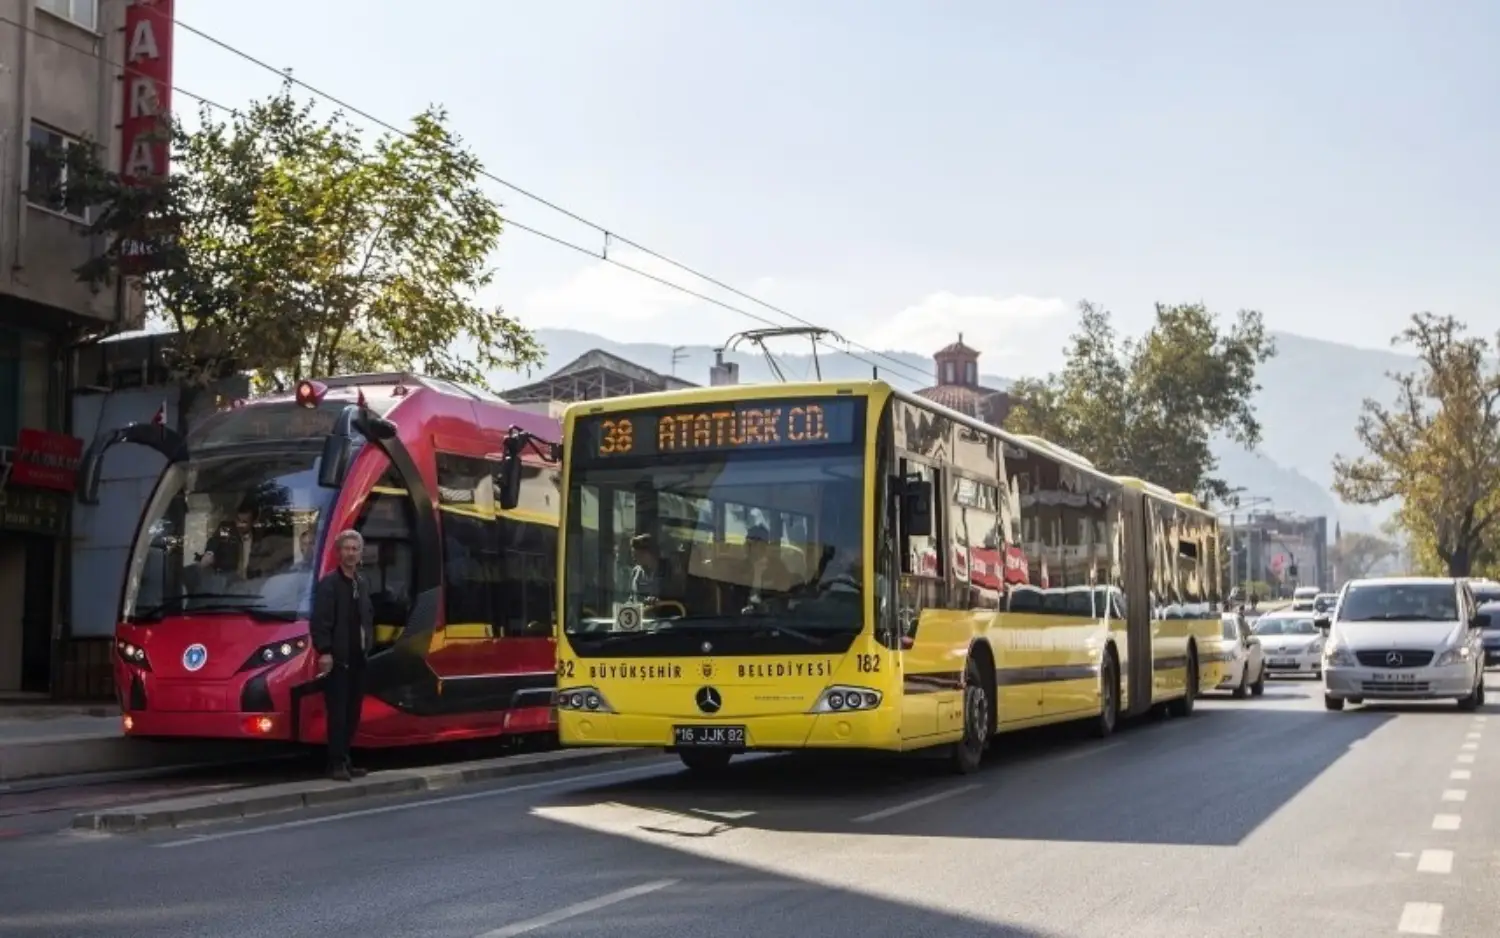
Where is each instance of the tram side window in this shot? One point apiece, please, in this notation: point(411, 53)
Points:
point(387, 522)
point(523, 597)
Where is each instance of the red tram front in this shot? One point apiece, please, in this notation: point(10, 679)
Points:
point(212, 640)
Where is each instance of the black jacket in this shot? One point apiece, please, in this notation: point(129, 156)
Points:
point(337, 610)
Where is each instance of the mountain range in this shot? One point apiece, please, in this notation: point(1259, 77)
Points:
point(1309, 400)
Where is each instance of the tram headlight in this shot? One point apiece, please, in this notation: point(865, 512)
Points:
point(843, 699)
point(132, 654)
point(583, 699)
point(276, 653)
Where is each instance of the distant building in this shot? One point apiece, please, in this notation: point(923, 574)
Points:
point(591, 376)
point(1283, 550)
point(958, 386)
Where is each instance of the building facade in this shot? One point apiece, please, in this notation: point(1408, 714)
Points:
point(60, 87)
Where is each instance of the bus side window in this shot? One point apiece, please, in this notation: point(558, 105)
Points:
point(524, 593)
point(386, 522)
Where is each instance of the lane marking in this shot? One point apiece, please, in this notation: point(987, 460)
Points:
point(1466, 757)
point(408, 806)
point(1087, 751)
point(1435, 861)
point(1421, 918)
point(577, 909)
point(1446, 822)
point(913, 804)
point(1460, 775)
point(1469, 747)
point(1456, 794)
point(1471, 736)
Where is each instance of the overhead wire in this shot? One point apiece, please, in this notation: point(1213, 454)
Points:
point(603, 255)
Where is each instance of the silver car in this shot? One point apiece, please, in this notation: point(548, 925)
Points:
point(1292, 644)
point(1403, 638)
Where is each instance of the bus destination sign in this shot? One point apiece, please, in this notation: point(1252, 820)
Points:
point(760, 425)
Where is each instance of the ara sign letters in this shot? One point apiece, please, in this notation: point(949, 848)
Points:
point(145, 141)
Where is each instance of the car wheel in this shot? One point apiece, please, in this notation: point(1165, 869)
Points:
point(1332, 703)
point(1475, 700)
point(1243, 687)
point(1259, 687)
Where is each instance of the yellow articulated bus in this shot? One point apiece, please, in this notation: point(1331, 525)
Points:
point(843, 565)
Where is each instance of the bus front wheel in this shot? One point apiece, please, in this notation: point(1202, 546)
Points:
point(705, 760)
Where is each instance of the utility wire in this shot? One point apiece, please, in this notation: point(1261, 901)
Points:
point(511, 222)
point(527, 193)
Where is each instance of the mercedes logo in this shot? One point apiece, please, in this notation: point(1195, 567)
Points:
point(1393, 658)
point(708, 699)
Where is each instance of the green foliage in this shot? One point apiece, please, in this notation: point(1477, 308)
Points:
point(1355, 554)
point(286, 246)
point(1437, 449)
point(1150, 407)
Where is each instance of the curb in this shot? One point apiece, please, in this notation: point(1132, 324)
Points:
point(292, 796)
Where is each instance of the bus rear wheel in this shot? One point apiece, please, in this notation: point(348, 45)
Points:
point(1109, 697)
point(968, 752)
point(705, 761)
point(1183, 706)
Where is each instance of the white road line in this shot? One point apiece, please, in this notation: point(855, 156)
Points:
point(577, 909)
point(1466, 758)
point(1472, 736)
point(1421, 918)
point(1087, 751)
point(913, 805)
point(1460, 775)
point(1455, 794)
point(1469, 747)
point(1435, 861)
point(1446, 822)
point(407, 806)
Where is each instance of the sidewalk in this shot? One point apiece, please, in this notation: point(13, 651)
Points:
point(311, 793)
point(45, 741)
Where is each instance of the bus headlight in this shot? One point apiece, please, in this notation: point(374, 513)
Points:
point(275, 653)
point(134, 654)
point(583, 700)
point(841, 698)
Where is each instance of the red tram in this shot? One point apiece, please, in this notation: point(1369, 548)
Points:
point(212, 640)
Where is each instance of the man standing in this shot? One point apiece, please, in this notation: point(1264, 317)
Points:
point(343, 624)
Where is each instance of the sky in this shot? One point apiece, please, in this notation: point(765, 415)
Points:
point(901, 172)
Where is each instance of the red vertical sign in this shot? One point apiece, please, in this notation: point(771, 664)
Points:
point(145, 144)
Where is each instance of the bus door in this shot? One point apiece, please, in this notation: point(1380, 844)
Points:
point(926, 660)
point(1139, 672)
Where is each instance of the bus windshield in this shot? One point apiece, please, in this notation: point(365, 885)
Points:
point(230, 533)
point(726, 550)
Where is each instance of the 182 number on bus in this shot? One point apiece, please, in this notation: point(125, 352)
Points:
point(867, 664)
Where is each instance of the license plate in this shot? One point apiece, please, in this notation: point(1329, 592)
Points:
point(726, 737)
point(1395, 677)
point(1283, 662)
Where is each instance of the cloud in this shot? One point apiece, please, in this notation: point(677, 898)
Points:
point(1014, 334)
point(604, 297)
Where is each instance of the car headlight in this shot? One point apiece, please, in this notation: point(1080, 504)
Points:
point(1339, 657)
point(1452, 656)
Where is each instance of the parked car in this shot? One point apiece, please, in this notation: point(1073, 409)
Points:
point(1244, 662)
point(1404, 638)
point(1291, 642)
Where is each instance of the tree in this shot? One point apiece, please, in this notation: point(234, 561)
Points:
point(285, 245)
point(1437, 449)
point(1150, 407)
point(1355, 554)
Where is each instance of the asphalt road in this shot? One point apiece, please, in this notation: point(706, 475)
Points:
point(1262, 817)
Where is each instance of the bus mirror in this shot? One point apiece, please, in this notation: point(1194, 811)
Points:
point(508, 482)
point(335, 461)
point(89, 472)
point(916, 508)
